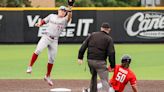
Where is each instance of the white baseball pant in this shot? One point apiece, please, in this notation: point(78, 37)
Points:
point(51, 44)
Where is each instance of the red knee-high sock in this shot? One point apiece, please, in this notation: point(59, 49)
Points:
point(33, 59)
point(49, 68)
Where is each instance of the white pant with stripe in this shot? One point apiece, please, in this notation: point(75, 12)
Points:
point(51, 44)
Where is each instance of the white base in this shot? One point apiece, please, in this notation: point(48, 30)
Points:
point(60, 90)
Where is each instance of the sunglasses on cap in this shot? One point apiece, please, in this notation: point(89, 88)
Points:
point(63, 8)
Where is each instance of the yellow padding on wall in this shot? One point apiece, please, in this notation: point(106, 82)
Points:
point(86, 8)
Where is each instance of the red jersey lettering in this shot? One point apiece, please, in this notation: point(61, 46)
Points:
point(121, 77)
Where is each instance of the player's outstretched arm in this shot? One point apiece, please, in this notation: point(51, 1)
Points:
point(69, 13)
point(134, 87)
point(110, 69)
point(40, 23)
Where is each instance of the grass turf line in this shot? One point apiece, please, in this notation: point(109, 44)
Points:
point(147, 61)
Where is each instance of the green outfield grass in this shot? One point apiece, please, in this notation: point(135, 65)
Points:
point(147, 61)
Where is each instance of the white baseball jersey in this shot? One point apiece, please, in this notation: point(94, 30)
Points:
point(55, 24)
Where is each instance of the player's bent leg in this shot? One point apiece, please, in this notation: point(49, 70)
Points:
point(49, 69)
point(52, 50)
point(48, 80)
point(51, 55)
point(33, 59)
point(29, 70)
point(41, 45)
point(47, 76)
point(99, 87)
point(111, 89)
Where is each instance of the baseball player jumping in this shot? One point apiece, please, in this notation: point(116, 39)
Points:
point(56, 23)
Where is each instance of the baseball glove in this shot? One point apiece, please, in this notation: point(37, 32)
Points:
point(71, 2)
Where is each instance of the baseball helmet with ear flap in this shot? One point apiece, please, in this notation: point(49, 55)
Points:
point(126, 58)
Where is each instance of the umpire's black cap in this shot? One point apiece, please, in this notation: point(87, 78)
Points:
point(126, 58)
point(105, 25)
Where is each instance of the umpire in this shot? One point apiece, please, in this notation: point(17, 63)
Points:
point(100, 46)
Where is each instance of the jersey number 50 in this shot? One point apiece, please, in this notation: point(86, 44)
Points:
point(120, 77)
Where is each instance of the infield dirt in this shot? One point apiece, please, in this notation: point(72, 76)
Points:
point(75, 85)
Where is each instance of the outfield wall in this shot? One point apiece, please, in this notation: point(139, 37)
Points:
point(129, 25)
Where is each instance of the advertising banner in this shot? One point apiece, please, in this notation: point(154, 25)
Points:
point(128, 26)
point(11, 26)
point(76, 31)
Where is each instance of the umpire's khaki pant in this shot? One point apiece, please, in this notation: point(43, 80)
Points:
point(98, 67)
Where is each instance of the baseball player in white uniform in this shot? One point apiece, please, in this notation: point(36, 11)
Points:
point(56, 23)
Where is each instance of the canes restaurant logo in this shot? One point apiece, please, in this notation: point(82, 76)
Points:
point(147, 25)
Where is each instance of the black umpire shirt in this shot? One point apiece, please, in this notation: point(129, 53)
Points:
point(100, 46)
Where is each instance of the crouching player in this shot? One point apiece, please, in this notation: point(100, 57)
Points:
point(122, 75)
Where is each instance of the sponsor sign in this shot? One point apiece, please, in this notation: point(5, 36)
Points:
point(146, 25)
point(82, 25)
point(128, 26)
